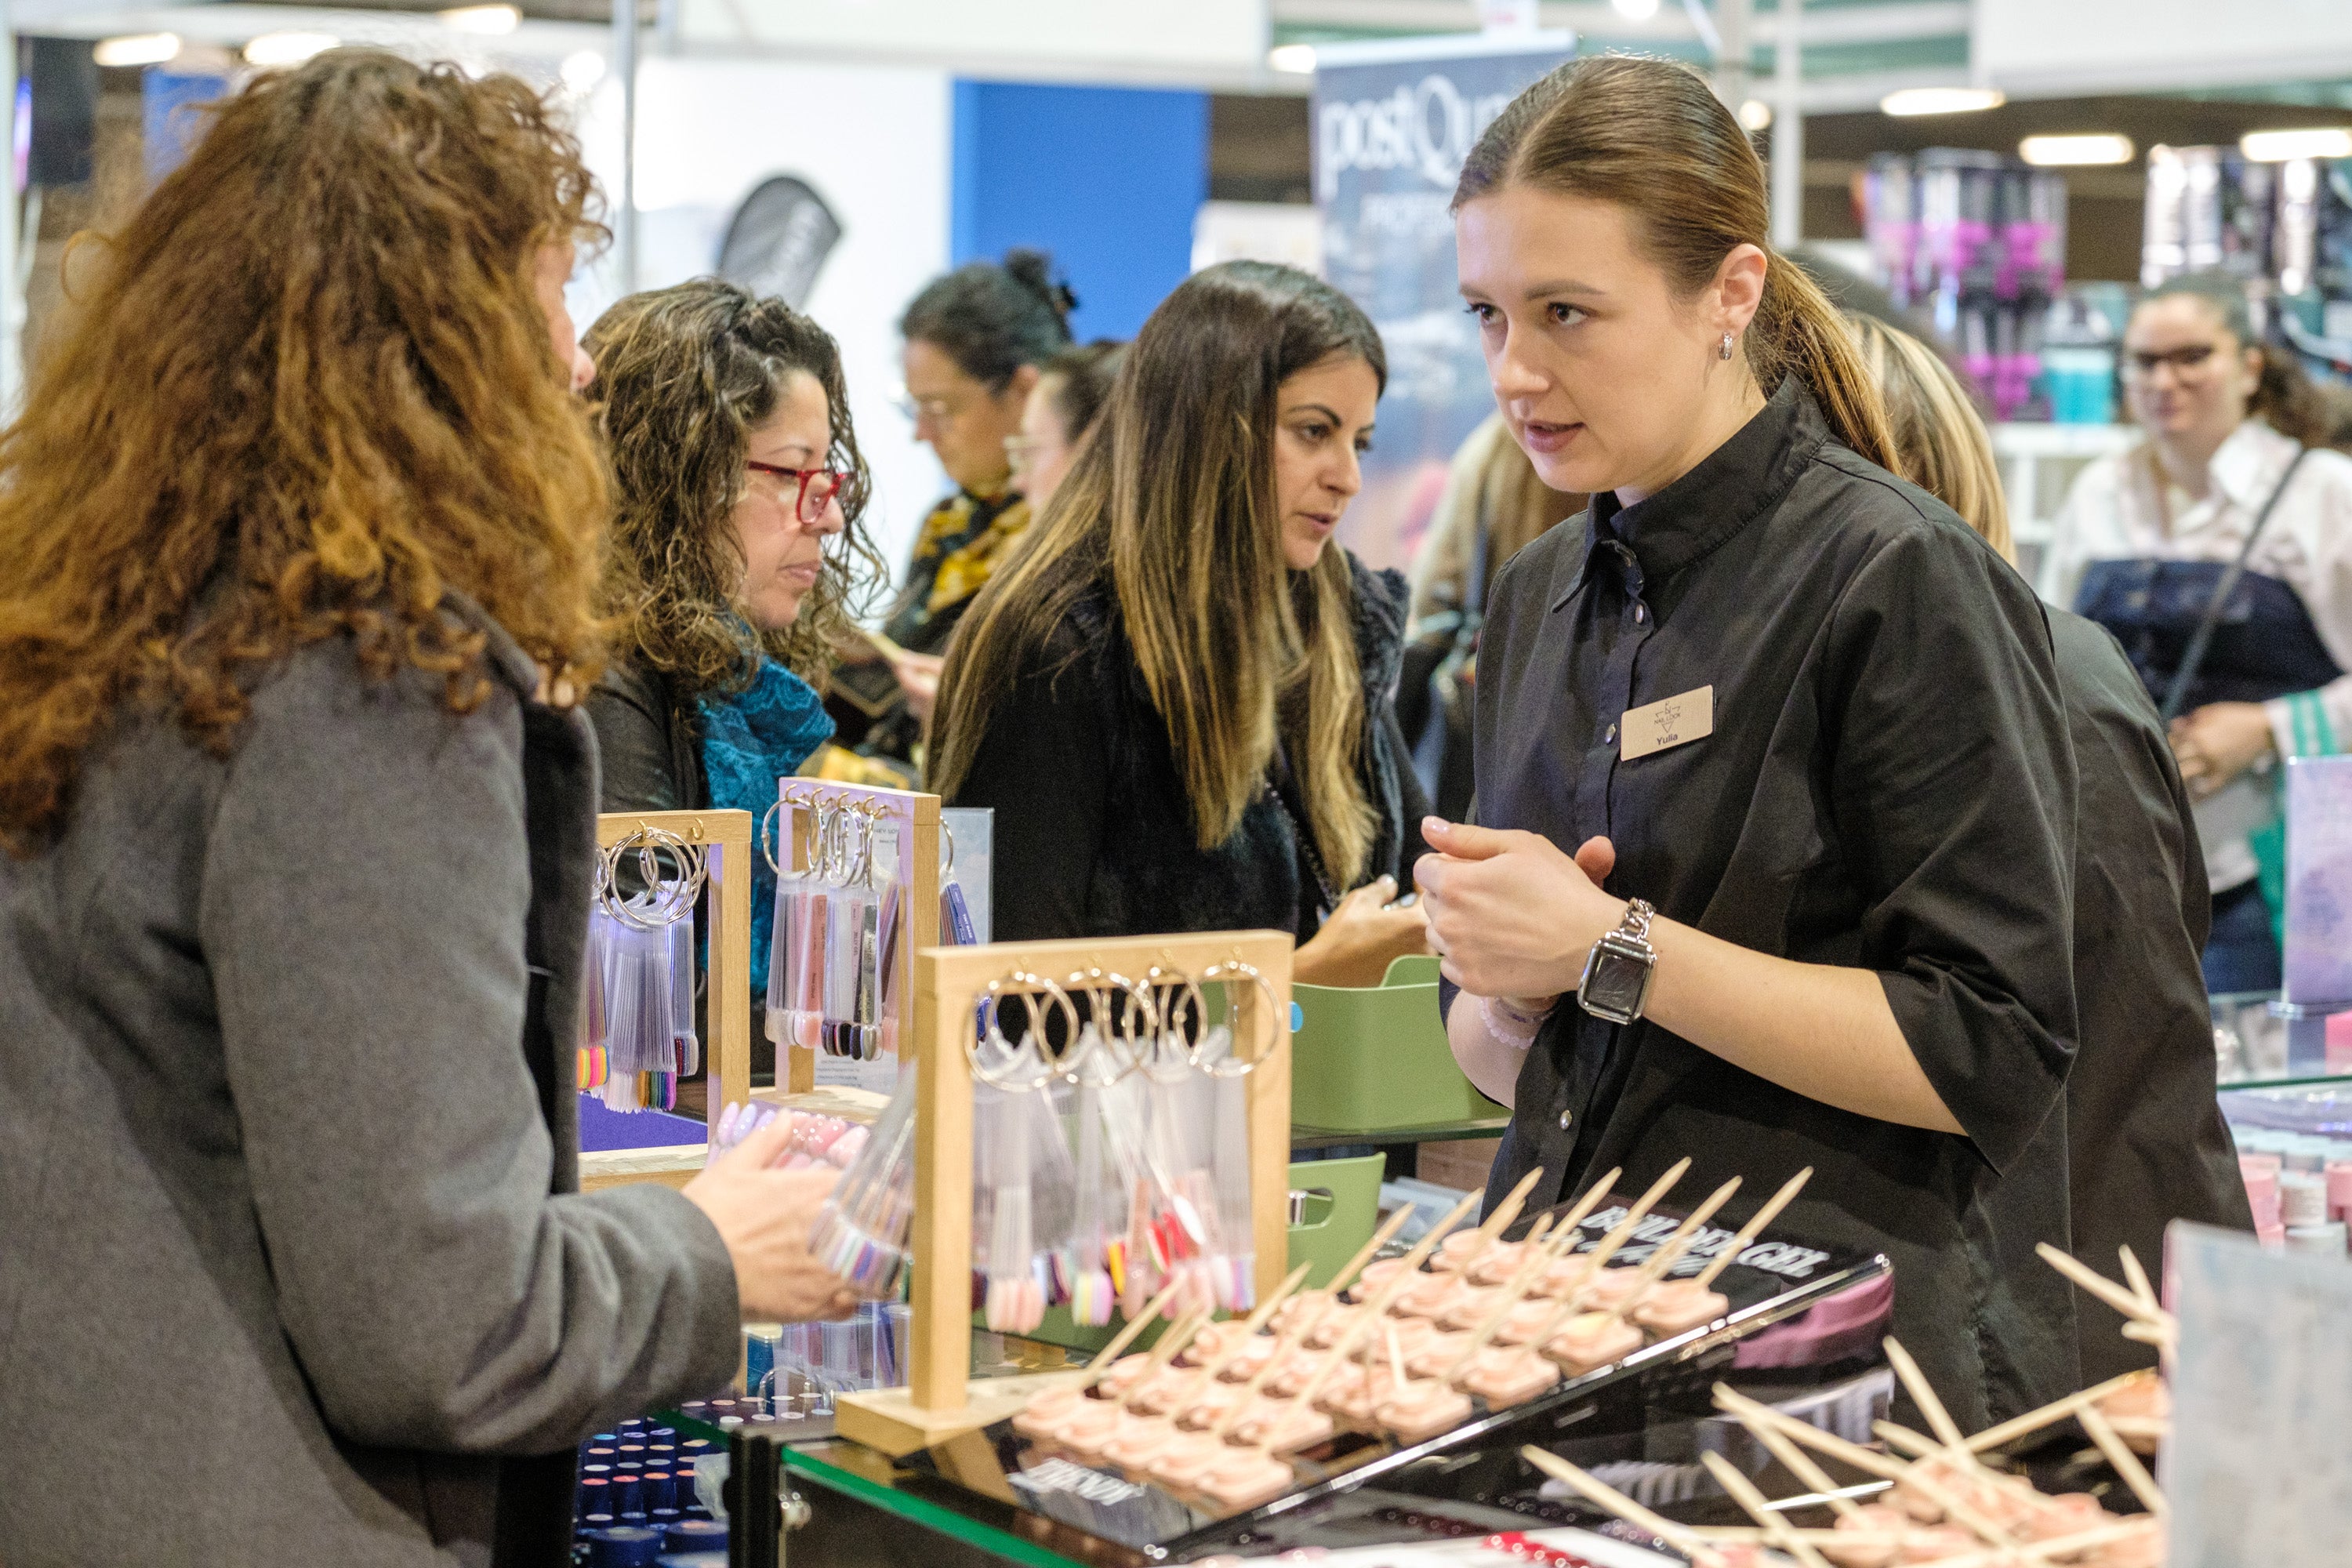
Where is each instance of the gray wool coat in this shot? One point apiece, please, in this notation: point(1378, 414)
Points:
point(293, 1268)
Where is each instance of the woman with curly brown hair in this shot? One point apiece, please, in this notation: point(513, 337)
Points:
point(298, 539)
point(732, 446)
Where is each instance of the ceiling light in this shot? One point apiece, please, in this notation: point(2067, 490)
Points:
point(1755, 115)
point(1635, 10)
point(288, 49)
point(2075, 152)
point(584, 70)
point(1297, 60)
point(137, 49)
point(1942, 100)
point(491, 20)
point(2284, 146)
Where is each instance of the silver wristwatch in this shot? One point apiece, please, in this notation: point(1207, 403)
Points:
point(1620, 968)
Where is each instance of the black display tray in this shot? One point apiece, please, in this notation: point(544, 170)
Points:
point(1800, 1315)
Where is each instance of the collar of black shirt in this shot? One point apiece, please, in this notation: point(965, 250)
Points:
point(1732, 486)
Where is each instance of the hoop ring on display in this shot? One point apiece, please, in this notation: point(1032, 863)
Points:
point(1028, 987)
point(1100, 987)
point(1229, 971)
point(947, 836)
point(1170, 1056)
point(672, 898)
point(784, 797)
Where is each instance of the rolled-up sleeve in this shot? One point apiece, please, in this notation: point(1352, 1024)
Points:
point(366, 889)
point(1953, 785)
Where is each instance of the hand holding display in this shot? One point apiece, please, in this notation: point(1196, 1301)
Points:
point(764, 1216)
point(1362, 936)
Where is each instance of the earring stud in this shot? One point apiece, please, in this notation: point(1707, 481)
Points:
point(1724, 349)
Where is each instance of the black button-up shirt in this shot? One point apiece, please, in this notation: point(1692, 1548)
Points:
point(1888, 785)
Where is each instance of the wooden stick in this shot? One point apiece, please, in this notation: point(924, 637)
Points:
point(2139, 1278)
point(1923, 1394)
point(1507, 1210)
point(1515, 1288)
point(1919, 1446)
point(1374, 1308)
point(1596, 1490)
point(1208, 1371)
point(1800, 1464)
point(1861, 1458)
point(1170, 1343)
point(1533, 1267)
point(1636, 1214)
point(1776, 1528)
point(1282, 1344)
point(2106, 1289)
point(2126, 1463)
point(1755, 1225)
point(1380, 1237)
point(2039, 1551)
point(2056, 1411)
point(1396, 1359)
point(1675, 1245)
point(1126, 1336)
point(2046, 1550)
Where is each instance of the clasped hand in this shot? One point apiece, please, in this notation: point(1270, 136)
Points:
point(1510, 914)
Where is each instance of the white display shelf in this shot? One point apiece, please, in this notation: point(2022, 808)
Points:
point(2038, 465)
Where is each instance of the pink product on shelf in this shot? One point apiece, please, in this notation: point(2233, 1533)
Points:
point(2339, 1188)
point(2337, 1038)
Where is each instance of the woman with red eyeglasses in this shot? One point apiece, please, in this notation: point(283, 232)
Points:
point(735, 558)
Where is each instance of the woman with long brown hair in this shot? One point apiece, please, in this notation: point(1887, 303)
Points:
point(1776, 801)
point(298, 537)
point(1176, 695)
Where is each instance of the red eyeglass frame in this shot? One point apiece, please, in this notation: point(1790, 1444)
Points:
point(803, 477)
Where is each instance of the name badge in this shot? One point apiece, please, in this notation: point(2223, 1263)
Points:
point(1670, 721)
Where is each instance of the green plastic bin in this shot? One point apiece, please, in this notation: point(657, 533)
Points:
point(1343, 1207)
point(1375, 1058)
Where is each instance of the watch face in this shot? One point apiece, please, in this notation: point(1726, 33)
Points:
point(1617, 985)
point(1615, 982)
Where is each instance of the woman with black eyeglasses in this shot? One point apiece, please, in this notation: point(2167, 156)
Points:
point(976, 342)
point(734, 465)
point(2229, 474)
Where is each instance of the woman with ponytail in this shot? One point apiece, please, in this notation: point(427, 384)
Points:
point(1775, 795)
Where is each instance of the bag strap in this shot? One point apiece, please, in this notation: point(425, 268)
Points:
point(2201, 640)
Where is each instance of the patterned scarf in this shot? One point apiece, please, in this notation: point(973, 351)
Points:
point(750, 740)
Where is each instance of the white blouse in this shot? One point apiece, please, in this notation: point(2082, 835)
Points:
point(2115, 512)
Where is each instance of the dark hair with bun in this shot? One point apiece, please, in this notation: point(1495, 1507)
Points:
point(1082, 378)
point(993, 317)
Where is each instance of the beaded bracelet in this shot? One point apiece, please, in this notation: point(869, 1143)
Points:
point(1508, 1024)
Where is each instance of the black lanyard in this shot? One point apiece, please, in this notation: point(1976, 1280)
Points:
point(2203, 638)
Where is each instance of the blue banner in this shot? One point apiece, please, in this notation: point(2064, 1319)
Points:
point(1392, 123)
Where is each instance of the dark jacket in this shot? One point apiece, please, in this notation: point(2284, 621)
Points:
point(287, 1144)
point(2146, 1142)
point(1092, 820)
point(1888, 785)
point(650, 745)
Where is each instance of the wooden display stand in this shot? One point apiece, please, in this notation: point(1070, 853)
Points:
point(949, 984)
point(725, 838)
point(917, 817)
